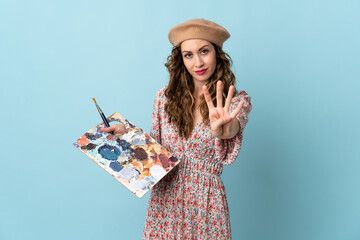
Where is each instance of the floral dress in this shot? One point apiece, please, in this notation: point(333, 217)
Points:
point(190, 201)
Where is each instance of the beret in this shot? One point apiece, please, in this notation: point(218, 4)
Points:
point(198, 28)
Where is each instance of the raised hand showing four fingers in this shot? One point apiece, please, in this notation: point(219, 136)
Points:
point(222, 123)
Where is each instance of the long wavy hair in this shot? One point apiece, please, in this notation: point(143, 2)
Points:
point(180, 103)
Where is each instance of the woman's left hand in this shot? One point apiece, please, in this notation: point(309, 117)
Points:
point(223, 124)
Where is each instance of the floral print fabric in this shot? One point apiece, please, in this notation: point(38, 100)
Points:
point(190, 202)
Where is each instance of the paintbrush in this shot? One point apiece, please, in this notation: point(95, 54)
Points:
point(102, 115)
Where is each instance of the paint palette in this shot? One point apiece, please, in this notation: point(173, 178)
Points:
point(136, 159)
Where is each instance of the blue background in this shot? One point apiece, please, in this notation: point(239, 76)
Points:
point(297, 175)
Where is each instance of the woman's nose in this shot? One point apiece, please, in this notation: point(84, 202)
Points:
point(198, 61)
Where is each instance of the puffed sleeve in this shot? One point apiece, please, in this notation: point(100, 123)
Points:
point(155, 131)
point(226, 150)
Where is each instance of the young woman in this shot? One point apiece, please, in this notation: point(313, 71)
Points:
point(200, 118)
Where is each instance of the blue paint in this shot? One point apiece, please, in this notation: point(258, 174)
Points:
point(150, 179)
point(116, 166)
point(173, 159)
point(138, 141)
point(109, 152)
point(123, 144)
point(129, 173)
point(92, 136)
point(90, 146)
point(139, 185)
point(131, 125)
point(125, 156)
point(143, 184)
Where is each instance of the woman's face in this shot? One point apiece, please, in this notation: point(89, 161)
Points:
point(199, 58)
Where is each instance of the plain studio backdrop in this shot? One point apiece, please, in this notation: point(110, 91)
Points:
point(297, 175)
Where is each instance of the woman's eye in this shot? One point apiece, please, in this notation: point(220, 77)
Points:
point(205, 51)
point(187, 55)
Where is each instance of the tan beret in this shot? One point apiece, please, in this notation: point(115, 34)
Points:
point(198, 28)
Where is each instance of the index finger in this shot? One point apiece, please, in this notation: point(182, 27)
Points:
point(237, 109)
point(207, 97)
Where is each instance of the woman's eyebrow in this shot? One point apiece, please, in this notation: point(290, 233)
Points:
point(198, 50)
point(203, 47)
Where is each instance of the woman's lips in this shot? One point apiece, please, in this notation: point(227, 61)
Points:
point(201, 72)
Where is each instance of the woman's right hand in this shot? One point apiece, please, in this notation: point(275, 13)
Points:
point(118, 129)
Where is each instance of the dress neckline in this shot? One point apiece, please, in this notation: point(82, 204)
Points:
point(195, 127)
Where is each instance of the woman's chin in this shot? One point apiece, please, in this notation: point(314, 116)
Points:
point(201, 79)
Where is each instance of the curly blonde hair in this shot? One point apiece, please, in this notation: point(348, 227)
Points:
point(180, 103)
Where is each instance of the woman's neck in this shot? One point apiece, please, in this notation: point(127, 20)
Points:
point(198, 88)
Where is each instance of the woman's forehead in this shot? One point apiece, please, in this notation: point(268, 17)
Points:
point(194, 44)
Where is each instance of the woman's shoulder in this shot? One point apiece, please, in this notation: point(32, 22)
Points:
point(241, 95)
point(160, 94)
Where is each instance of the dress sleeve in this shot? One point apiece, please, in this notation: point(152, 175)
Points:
point(155, 131)
point(226, 150)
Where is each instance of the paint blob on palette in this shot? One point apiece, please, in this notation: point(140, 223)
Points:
point(136, 159)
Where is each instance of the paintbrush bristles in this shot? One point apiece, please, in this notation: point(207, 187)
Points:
point(94, 100)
